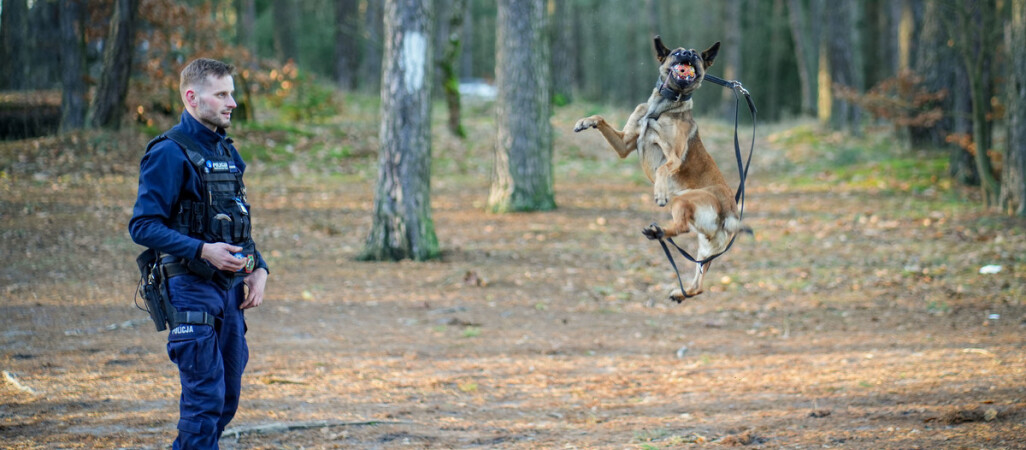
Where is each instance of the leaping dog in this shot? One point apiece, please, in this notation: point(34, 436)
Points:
point(664, 132)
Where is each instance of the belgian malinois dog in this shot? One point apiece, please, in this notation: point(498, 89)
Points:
point(664, 132)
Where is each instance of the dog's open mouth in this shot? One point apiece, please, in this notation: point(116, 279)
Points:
point(683, 71)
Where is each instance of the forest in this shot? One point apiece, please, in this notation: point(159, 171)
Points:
point(944, 74)
point(452, 265)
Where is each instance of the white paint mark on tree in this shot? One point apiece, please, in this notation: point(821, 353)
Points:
point(412, 58)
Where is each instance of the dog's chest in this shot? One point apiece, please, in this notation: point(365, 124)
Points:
point(650, 148)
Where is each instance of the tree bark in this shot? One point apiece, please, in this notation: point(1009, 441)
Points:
point(245, 31)
point(562, 52)
point(13, 45)
point(905, 30)
point(729, 60)
point(523, 151)
point(973, 30)
point(449, 66)
point(109, 102)
point(73, 100)
point(402, 225)
point(286, 25)
point(806, 52)
point(347, 58)
point(845, 70)
point(933, 61)
point(370, 64)
point(1013, 178)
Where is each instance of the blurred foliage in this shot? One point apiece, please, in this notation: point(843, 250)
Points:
point(299, 96)
point(901, 100)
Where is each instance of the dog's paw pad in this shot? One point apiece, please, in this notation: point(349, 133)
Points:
point(653, 232)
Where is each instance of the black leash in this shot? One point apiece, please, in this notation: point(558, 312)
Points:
point(742, 169)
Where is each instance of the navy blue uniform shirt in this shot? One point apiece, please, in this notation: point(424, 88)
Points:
point(166, 177)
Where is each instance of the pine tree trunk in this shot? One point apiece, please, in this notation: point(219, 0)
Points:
point(370, 63)
point(973, 32)
point(729, 60)
point(842, 50)
point(109, 102)
point(347, 31)
point(13, 42)
point(563, 53)
point(523, 152)
point(402, 226)
point(245, 31)
point(73, 100)
point(286, 25)
point(806, 53)
point(933, 60)
point(449, 64)
point(1013, 179)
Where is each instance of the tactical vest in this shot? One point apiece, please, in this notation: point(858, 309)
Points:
point(223, 214)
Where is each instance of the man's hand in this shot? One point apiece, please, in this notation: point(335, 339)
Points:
point(220, 255)
point(255, 288)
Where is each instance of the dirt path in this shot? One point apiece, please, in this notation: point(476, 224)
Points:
point(856, 317)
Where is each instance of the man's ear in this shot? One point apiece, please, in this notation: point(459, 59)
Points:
point(710, 54)
point(190, 97)
point(660, 49)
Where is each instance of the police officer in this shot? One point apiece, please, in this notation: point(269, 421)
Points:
point(192, 209)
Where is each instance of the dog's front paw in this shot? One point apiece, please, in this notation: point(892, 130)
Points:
point(661, 189)
point(585, 123)
point(653, 232)
point(661, 198)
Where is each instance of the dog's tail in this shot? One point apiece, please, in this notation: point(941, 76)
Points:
point(734, 225)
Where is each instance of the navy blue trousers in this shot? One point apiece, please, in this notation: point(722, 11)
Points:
point(210, 360)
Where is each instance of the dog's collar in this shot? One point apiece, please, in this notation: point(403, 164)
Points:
point(669, 94)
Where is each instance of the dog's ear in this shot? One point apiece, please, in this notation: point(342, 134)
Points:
point(660, 49)
point(710, 54)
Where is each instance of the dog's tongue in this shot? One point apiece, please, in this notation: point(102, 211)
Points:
point(684, 72)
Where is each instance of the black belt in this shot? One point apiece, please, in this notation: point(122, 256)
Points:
point(174, 266)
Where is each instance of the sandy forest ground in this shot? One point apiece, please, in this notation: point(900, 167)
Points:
point(856, 317)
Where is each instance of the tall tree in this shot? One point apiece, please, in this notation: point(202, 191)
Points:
point(842, 49)
point(523, 151)
point(449, 65)
point(933, 59)
point(562, 20)
point(73, 100)
point(285, 29)
point(347, 56)
point(109, 101)
point(370, 64)
point(729, 61)
point(245, 31)
point(805, 31)
point(402, 226)
point(13, 44)
point(1013, 178)
point(975, 34)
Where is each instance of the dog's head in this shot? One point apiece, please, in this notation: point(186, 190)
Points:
point(682, 70)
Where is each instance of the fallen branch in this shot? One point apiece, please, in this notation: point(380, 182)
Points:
point(14, 382)
point(279, 427)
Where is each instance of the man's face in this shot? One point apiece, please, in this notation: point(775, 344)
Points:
point(212, 101)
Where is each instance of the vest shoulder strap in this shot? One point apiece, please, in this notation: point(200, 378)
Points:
point(186, 143)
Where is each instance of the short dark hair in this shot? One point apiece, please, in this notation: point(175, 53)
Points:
point(199, 69)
